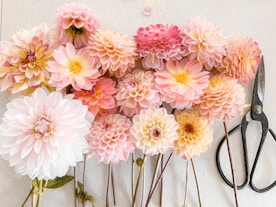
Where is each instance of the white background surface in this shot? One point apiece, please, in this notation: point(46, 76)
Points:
point(255, 18)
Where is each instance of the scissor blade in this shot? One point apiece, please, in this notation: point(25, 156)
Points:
point(259, 84)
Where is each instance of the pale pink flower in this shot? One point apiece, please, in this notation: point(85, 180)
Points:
point(75, 22)
point(110, 139)
point(223, 99)
point(242, 59)
point(137, 91)
point(180, 83)
point(24, 60)
point(73, 67)
point(115, 52)
point(154, 130)
point(101, 98)
point(44, 134)
point(195, 134)
point(158, 43)
point(203, 42)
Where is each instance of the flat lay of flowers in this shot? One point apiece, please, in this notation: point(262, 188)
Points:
point(79, 90)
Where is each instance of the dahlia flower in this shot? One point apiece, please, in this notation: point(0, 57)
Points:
point(115, 52)
point(73, 67)
point(195, 134)
point(203, 42)
point(180, 83)
point(154, 130)
point(24, 60)
point(157, 43)
point(242, 59)
point(42, 135)
point(137, 91)
point(223, 99)
point(74, 23)
point(110, 139)
point(101, 98)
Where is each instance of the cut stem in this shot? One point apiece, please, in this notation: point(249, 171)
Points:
point(197, 184)
point(155, 173)
point(39, 194)
point(112, 186)
point(83, 178)
point(161, 183)
point(186, 186)
point(75, 186)
point(107, 186)
point(28, 196)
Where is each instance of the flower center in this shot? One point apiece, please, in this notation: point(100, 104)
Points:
point(43, 127)
point(76, 30)
point(155, 132)
point(189, 128)
point(75, 67)
point(181, 78)
point(31, 57)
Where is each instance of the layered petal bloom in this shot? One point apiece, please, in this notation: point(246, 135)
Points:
point(154, 130)
point(203, 42)
point(242, 59)
point(101, 98)
point(158, 43)
point(73, 67)
point(137, 91)
point(110, 139)
point(195, 134)
point(180, 83)
point(44, 134)
point(115, 52)
point(75, 22)
point(24, 60)
point(223, 99)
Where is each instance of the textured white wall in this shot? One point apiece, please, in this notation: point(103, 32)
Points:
point(255, 18)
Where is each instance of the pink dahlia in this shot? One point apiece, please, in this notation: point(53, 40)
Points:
point(154, 130)
point(115, 52)
point(44, 134)
point(75, 22)
point(24, 60)
point(180, 83)
point(157, 43)
point(242, 59)
point(137, 91)
point(100, 98)
point(73, 67)
point(203, 42)
point(223, 99)
point(110, 139)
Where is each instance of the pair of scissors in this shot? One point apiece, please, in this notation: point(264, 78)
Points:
point(255, 113)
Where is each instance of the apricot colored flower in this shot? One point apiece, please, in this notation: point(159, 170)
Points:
point(158, 43)
point(110, 139)
point(195, 134)
point(101, 98)
point(242, 59)
point(74, 23)
point(223, 99)
point(73, 67)
point(181, 83)
point(203, 42)
point(42, 135)
point(154, 130)
point(24, 60)
point(115, 52)
point(137, 91)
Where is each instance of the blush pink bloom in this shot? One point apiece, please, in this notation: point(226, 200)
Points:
point(115, 52)
point(158, 43)
point(223, 99)
point(44, 134)
point(180, 83)
point(110, 139)
point(154, 130)
point(101, 98)
point(203, 42)
point(137, 91)
point(242, 59)
point(73, 67)
point(24, 60)
point(75, 22)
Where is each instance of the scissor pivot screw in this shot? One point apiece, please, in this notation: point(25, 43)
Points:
point(257, 109)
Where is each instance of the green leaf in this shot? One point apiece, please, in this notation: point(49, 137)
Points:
point(84, 196)
point(140, 162)
point(59, 182)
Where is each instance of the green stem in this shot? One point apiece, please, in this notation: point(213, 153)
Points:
point(75, 186)
point(40, 192)
point(107, 186)
point(83, 178)
point(197, 184)
point(155, 173)
point(112, 186)
point(28, 196)
point(33, 197)
point(161, 183)
point(186, 186)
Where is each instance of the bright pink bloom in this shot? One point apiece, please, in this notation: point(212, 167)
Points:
point(110, 139)
point(180, 83)
point(73, 67)
point(75, 22)
point(157, 43)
